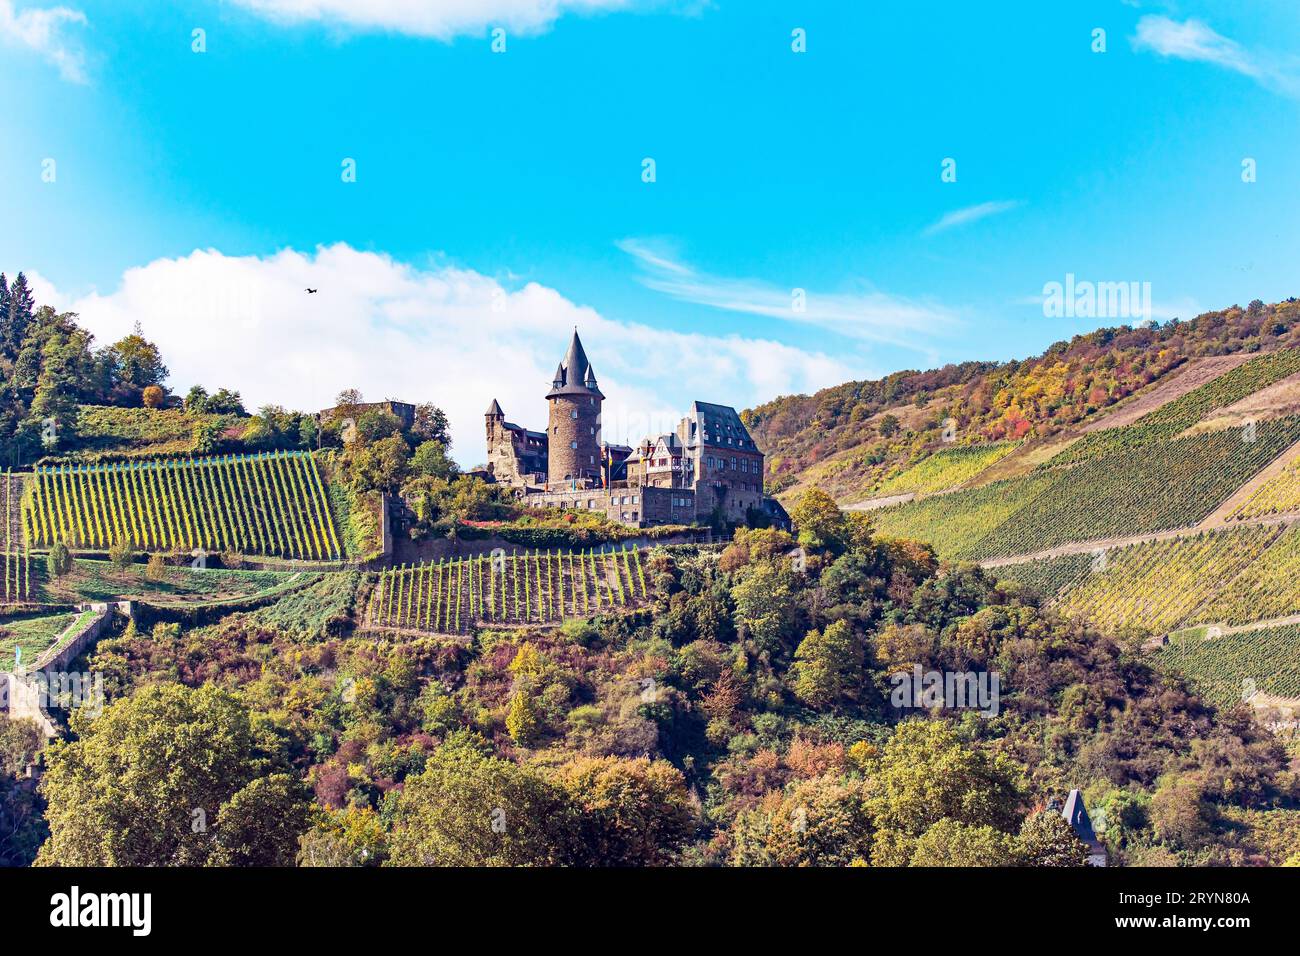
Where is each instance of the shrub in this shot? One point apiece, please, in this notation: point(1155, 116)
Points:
point(153, 397)
point(156, 569)
point(122, 553)
point(59, 561)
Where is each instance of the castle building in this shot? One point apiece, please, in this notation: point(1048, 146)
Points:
point(708, 470)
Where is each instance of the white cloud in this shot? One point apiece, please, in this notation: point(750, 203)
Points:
point(868, 315)
point(443, 334)
point(43, 30)
point(969, 214)
point(442, 19)
point(1196, 41)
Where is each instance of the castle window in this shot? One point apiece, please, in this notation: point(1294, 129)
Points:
point(573, 445)
point(573, 414)
point(636, 499)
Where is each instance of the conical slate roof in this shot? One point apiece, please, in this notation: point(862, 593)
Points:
point(494, 409)
point(575, 375)
point(1076, 814)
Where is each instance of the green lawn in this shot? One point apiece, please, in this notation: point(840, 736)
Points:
point(34, 634)
point(103, 581)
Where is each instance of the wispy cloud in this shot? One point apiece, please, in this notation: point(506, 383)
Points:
point(1196, 41)
point(43, 30)
point(451, 336)
point(969, 214)
point(441, 19)
point(867, 315)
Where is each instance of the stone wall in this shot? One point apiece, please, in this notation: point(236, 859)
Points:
point(436, 549)
point(638, 507)
point(23, 692)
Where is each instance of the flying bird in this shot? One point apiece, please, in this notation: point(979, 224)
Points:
point(311, 291)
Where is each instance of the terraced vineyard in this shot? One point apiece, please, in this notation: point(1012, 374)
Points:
point(1154, 487)
point(944, 469)
point(1266, 660)
point(269, 504)
point(452, 596)
point(956, 523)
point(17, 558)
point(1279, 495)
point(1159, 585)
point(1172, 419)
point(1047, 577)
point(1231, 576)
point(1268, 587)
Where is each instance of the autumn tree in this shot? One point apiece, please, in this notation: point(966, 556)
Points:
point(827, 669)
point(821, 524)
point(949, 842)
point(632, 812)
point(137, 363)
point(353, 836)
point(469, 809)
point(169, 776)
point(926, 773)
point(1047, 839)
point(767, 606)
point(819, 822)
point(521, 718)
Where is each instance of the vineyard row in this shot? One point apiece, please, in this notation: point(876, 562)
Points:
point(270, 504)
point(454, 595)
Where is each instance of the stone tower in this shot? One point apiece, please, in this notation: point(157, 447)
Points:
point(500, 457)
point(573, 428)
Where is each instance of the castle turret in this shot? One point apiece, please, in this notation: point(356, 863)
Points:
point(574, 420)
point(497, 436)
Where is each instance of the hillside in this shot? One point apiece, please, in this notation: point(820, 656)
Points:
point(1095, 551)
point(855, 440)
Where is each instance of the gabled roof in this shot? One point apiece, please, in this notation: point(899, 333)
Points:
point(715, 423)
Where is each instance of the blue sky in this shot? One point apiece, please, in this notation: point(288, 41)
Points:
point(499, 197)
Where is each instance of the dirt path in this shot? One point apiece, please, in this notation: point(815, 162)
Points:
point(872, 504)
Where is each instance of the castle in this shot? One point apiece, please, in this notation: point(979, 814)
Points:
point(708, 471)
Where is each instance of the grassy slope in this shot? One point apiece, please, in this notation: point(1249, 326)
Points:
point(102, 581)
point(33, 633)
point(109, 432)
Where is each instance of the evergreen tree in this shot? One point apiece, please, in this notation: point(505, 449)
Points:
point(17, 317)
point(65, 362)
